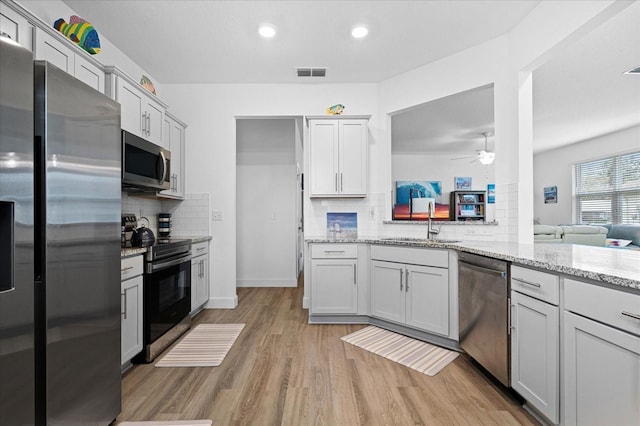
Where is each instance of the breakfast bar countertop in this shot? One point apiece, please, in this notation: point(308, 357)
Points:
point(615, 266)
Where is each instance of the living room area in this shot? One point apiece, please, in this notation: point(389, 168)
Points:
point(587, 182)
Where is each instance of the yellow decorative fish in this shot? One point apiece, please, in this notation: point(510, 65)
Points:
point(80, 32)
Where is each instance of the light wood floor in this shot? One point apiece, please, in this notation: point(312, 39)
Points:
point(283, 371)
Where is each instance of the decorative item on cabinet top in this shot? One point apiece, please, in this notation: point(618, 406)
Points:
point(80, 32)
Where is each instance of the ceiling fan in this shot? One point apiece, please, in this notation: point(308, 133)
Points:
point(484, 156)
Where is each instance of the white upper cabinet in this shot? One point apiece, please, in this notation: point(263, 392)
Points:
point(141, 112)
point(63, 55)
point(174, 140)
point(16, 26)
point(338, 156)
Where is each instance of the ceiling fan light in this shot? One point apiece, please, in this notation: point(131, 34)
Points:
point(486, 158)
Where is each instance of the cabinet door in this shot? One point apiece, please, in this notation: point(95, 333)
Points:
point(323, 152)
point(203, 288)
point(177, 159)
point(131, 317)
point(195, 283)
point(387, 290)
point(131, 103)
point(88, 73)
point(352, 169)
point(54, 51)
point(16, 26)
point(601, 374)
point(535, 353)
point(427, 298)
point(173, 135)
point(334, 286)
point(154, 116)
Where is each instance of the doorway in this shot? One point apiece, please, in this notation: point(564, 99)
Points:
point(269, 224)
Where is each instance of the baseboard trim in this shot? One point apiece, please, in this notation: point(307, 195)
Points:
point(266, 283)
point(222, 302)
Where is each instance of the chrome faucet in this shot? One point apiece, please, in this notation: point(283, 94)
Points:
point(430, 230)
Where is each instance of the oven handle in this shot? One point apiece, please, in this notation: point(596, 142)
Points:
point(158, 266)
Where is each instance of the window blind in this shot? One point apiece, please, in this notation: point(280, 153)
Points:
point(608, 190)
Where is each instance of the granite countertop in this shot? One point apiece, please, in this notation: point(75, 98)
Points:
point(619, 267)
point(134, 251)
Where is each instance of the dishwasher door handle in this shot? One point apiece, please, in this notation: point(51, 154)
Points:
point(502, 274)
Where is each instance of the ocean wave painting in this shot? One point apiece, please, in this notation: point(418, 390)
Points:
point(418, 189)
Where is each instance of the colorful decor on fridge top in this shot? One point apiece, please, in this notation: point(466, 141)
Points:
point(80, 32)
point(406, 191)
point(342, 225)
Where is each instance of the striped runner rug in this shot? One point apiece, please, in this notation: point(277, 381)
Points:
point(412, 353)
point(204, 346)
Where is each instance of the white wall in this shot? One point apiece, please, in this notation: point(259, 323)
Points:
point(265, 203)
point(440, 167)
point(210, 111)
point(553, 168)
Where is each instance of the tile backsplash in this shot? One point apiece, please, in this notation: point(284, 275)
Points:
point(189, 217)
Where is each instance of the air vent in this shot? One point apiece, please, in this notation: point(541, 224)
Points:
point(636, 70)
point(311, 72)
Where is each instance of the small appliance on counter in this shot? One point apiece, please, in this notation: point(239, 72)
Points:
point(129, 224)
point(142, 236)
point(164, 225)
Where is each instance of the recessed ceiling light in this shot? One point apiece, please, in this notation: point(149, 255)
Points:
point(267, 30)
point(359, 32)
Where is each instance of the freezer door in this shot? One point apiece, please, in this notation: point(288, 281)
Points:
point(16, 236)
point(77, 132)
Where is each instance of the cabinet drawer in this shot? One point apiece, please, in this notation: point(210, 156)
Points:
point(329, 251)
point(541, 285)
point(609, 306)
point(199, 249)
point(130, 267)
point(414, 256)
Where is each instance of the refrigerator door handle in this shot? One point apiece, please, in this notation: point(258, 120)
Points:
point(7, 245)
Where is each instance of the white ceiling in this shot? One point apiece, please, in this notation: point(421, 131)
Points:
point(580, 95)
point(218, 42)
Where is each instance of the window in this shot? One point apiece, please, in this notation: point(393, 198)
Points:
point(608, 190)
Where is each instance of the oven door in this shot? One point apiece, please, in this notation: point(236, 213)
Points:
point(167, 296)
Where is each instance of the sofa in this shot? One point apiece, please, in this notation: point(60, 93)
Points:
point(615, 236)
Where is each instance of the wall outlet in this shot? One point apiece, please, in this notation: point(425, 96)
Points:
point(216, 215)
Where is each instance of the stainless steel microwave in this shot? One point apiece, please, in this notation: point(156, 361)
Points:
point(145, 165)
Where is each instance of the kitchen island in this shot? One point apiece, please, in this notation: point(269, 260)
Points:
point(573, 312)
point(614, 266)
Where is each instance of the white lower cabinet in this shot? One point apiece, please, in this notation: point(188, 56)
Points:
point(334, 279)
point(413, 295)
point(131, 307)
point(199, 276)
point(535, 356)
point(535, 339)
point(601, 346)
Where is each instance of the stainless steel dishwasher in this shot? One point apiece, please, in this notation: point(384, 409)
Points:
point(483, 292)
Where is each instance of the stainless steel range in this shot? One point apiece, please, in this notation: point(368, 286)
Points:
point(167, 295)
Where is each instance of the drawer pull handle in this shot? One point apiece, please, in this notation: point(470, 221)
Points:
point(629, 314)
point(201, 248)
point(126, 269)
point(526, 282)
point(334, 251)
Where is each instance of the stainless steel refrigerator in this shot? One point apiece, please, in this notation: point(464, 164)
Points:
point(59, 246)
